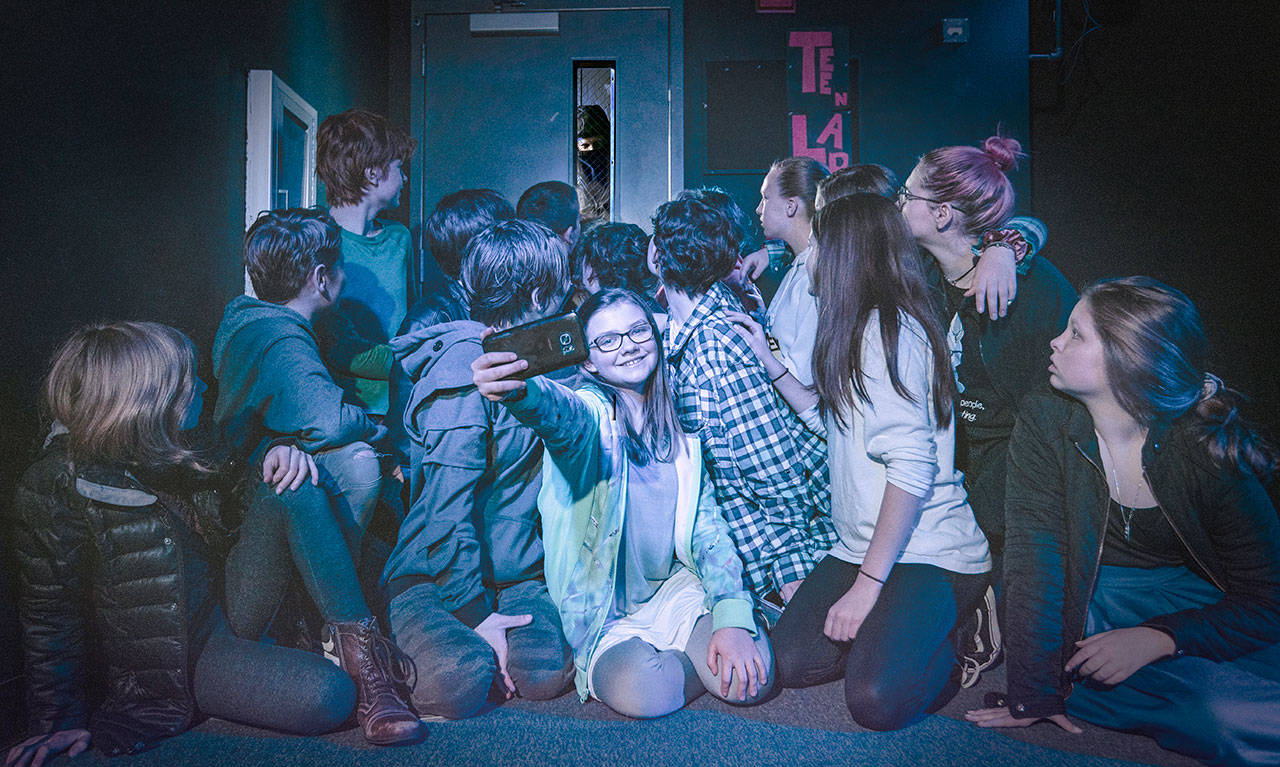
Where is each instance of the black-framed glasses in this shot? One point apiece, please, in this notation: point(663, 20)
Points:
point(611, 342)
point(904, 196)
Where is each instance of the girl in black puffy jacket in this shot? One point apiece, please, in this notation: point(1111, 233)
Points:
point(118, 537)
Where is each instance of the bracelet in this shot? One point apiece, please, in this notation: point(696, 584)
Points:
point(779, 376)
point(869, 575)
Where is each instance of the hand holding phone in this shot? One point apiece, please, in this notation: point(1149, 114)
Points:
point(494, 373)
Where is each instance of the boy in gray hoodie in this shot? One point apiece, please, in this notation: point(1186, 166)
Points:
point(467, 568)
point(273, 387)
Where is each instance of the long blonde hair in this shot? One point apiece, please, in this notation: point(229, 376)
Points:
point(121, 390)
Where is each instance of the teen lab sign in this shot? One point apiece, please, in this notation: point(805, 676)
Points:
point(818, 95)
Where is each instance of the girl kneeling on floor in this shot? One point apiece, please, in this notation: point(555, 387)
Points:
point(881, 607)
point(638, 557)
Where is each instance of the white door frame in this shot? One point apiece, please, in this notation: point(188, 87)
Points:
point(268, 100)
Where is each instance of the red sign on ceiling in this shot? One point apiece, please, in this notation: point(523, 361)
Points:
point(775, 6)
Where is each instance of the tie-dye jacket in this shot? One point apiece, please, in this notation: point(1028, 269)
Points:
point(583, 502)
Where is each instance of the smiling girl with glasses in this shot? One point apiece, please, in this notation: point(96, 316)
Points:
point(638, 556)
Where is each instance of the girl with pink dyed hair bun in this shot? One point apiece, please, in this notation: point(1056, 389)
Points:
point(953, 197)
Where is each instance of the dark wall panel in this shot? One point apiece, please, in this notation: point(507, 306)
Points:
point(123, 171)
point(1155, 154)
point(913, 92)
point(125, 192)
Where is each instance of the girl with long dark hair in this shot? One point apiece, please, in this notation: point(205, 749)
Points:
point(879, 609)
point(639, 560)
point(1143, 560)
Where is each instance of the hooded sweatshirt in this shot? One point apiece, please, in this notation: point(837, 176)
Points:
point(475, 472)
point(272, 383)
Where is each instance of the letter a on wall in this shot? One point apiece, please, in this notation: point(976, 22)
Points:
point(818, 96)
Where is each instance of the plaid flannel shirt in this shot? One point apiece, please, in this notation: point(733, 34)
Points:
point(768, 470)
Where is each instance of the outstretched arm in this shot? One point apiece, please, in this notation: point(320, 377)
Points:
point(568, 427)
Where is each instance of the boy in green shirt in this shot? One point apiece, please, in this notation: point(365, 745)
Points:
point(360, 157)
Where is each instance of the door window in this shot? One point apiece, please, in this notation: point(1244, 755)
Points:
point(594, 109)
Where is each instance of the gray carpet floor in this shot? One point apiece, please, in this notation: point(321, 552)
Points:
point(797, 727)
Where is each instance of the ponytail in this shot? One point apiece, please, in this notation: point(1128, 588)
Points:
point(1231, 439)
point(1155, 352)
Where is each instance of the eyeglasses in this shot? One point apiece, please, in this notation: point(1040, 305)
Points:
point(904, 196)
point(611, 342)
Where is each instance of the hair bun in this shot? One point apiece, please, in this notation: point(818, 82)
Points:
point(1003, 151)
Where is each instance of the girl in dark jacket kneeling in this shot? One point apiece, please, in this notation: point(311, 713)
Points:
point(119, 540)
point(1142, 565)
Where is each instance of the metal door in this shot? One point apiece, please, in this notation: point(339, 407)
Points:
point(497, 110)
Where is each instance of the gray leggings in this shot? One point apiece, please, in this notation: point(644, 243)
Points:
point(269, 686)
point(637, 680)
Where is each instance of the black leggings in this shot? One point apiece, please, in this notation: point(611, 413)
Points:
point(900, 661)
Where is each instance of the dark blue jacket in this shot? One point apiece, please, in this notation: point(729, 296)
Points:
point(446, 305)
point(475, 472)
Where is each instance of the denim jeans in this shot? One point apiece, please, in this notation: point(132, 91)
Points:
point(901, 659)
point(309, 532)
point(636, 679)
point(315, 531)
point(352, 477)
point(457, 668)
point(1219, 713)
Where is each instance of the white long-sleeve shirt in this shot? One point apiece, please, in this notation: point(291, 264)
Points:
point(792, 320)
point(890, 439)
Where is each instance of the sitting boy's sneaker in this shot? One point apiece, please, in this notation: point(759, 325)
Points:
point(980, 644)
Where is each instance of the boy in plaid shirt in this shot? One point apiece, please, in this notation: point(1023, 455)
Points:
point(769, 471)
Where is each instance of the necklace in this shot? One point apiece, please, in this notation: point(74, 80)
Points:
point(1126, 513)
point(961, 277)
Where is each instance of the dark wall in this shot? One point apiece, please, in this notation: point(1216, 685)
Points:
point(914, 92)
point(124, 168)
point(1157, 156)
point(125, 185)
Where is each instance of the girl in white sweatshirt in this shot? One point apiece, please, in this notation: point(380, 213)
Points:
point(879, 610)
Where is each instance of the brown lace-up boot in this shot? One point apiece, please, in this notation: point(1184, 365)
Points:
point(381, 673)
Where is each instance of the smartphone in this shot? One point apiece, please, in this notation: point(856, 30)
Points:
point(547, 344)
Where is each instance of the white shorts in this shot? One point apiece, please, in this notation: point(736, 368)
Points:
point(665, 621)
